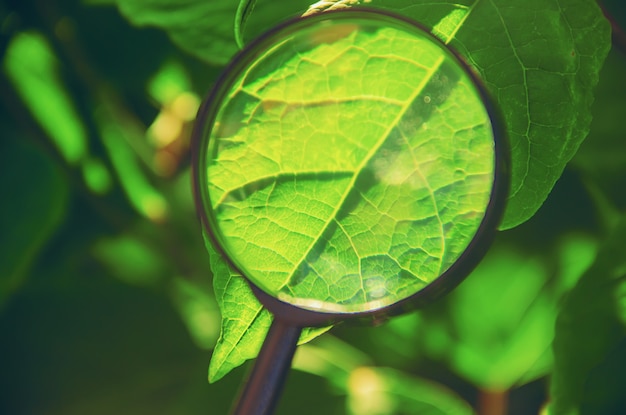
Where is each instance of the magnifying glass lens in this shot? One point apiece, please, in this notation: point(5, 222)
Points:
point(349, 163)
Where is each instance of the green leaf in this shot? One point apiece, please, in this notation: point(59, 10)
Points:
point(34, 196)
point(540, 59)
point(465, 181)
point(598, 158)
point(244, 320)
point(353, 172)
point(131, 259)
point(375, 390)
point(33, 69)
point(590, 339)
point(499, 324)
point(385, 391)
point(208, 29)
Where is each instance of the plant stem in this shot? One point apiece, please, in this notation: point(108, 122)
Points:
point(493, 402)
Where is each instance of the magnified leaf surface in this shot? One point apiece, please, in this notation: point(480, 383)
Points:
point(353, 172)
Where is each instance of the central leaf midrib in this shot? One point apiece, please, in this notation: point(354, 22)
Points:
point(374, 149)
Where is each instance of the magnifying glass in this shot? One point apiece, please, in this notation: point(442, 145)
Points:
point(350, 166)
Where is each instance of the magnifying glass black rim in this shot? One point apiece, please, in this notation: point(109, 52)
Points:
point(466, 262)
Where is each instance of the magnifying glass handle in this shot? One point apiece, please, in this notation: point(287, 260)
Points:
point(260, 394)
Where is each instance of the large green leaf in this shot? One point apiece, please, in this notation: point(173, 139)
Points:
point(206, 28)
point(590, 339)
point(426, 143)
point(540, 60)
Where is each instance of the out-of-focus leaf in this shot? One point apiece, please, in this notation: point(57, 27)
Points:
point(375, 390)
point(34, 196)
point(540, 60)
point(198, 308)
point(96, 175)
point(169, 82)
point(206, 29)
point(602, 157)
point(385, 391)
point(131, 260)
point(330, 358)
point(143, 195)
point(31, 66)
point(501, 321)
point(590, 338)
point(83, 343)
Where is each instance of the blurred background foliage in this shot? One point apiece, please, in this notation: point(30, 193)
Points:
point(106, 303)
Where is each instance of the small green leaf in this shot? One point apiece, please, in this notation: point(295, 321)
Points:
point(590, 338)
point(244, 320)
point(540, 59)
